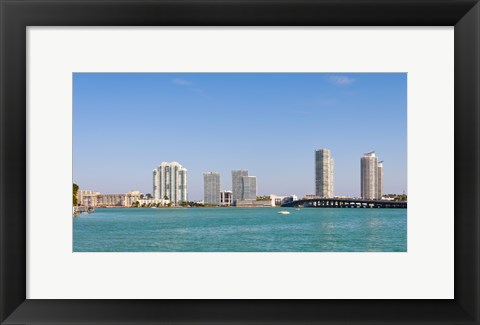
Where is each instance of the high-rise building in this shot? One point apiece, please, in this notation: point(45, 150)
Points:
point(211, 188)
point(237, 184)
point(170, 182)
point(249, 187)
point(323, 173)
point(380, 179)
point(371, 176)
point(244, 187)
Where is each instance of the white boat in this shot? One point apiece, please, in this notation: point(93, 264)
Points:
point(283, 212)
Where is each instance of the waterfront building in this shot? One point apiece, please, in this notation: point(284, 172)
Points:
point(170, 182)
point(131, 197)
point(211, 188)
point(237, 184)
point(244, 187)
point(371, 176)
point(249, 187)
point(277, 199)
point(288, 199)
point(89, 199)
point(226, 198)
point(253, 203)
point(323, 173)
point(380, 179)
point(119, 200)
point(152, 202)
point(111, 200)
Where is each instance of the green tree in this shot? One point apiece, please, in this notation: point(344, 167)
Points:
point(75, 194)
point(141, 196)
point(263, 198)
point(148, 196)
point(165, 197)
point(135, 204)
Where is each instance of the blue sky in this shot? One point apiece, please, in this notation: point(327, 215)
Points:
point(125, 124)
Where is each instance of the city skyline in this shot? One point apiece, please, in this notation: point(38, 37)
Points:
point(126, 123)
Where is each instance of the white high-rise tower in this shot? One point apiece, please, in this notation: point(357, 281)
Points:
point(323, 173)
point(170, 182)
point(380, 179)
point(371, 176)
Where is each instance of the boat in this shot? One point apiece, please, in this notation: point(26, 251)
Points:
point(283, 212)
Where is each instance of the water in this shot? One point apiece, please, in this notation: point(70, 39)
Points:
point(241, 230)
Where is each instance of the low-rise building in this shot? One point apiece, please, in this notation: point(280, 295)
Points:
point(255, 203)
point(289, 199)
point(89, 198)
point(226, 198)
point(131, 197)
point(277, 199)
point(152, 202)
point(111, 200)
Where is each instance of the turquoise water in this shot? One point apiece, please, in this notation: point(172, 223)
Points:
point(241, 230)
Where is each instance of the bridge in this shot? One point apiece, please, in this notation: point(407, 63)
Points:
point(345, 203)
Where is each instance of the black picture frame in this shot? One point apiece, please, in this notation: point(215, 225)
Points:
point(16, 15)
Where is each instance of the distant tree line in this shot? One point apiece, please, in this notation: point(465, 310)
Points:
point(396, 197)
point(137, 204)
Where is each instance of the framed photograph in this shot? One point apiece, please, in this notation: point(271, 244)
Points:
point(239, 162)
point(346, 203)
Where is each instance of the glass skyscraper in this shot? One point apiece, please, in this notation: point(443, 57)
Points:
point(170, 182)
point(249, 187)
point(323, 173)
point(237, 184)
point(244, 187)
point(211, 188)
